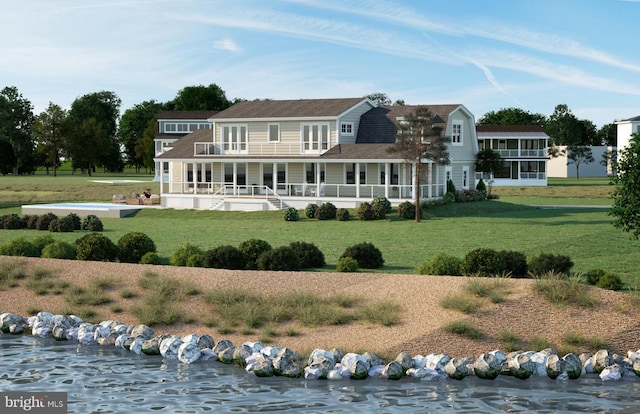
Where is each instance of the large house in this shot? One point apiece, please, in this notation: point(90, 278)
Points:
point(270, 154)
point(523, 149)
point(625, 129)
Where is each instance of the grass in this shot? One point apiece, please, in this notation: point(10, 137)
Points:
point(538, 343)
point(464, 328)
point(511, 223)
point(462, 302)
point(562, 290)
point(161, 299)
point(575, 340)
point(510, 341)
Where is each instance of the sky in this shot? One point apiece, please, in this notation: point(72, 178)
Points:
point(486, 55)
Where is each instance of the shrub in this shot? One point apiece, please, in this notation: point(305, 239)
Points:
point(514, 262)
point(224, 257)
point(441, 264)
point(44, 221)
point(464, 328)
point(280, 258)
point(603, 279)
point(451, 187)
point(252, 249)
point(96, 247)
point(19, 247)
point(543, 263)
point(32, 221)
point(195, 260)
point(291, 214)
point(10, 222)
point(381, 207)
point(407, 210)
point(482, 262)
point(28, 221)
point(481, 187)
point(366, 254)
point(92, 223)
point(75, 219)
point(365, 211)
point(134, 245)
point(61, 225)
point(309, 254)
point(342, 214)
point(150, 258)
point(310, 210)
point(41, 241)
point(182, 255)
point(60, 250)
point(326, 211)
point(347, 265)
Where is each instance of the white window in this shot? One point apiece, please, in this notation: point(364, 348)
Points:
point(315, 138)
point(346, 128)
point(456, 134)
point(235, 139)
point(274, 132)
point(465, 178)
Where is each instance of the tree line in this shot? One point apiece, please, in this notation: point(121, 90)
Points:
point(91, 134)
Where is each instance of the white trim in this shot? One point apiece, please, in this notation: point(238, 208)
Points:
point(347, 125)
point(269, 125)
point(465, 177)
point(459, 135)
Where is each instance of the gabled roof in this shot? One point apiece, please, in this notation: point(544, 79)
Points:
point(296, 108)
point(634, 119)
point(380, 125)
point(360, 152)
point(190, 115)
point(512, 131)
point(183, 148)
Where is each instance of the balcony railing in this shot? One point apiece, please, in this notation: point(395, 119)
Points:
point(255, 149)
point(524, 153)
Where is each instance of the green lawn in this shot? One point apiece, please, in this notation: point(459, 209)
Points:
point(510, 223)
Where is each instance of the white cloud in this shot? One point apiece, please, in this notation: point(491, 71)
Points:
point(227, 44)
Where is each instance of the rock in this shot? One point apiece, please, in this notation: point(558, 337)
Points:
point(106, 341)
point(375, 372)
point(554, 366)
point(487, 366)
point(263, 368)
point(371, 358)
point(86, 333)
point(601, 360)
point(314, 372)
point(286, 363)
point(612, 372)
point(169, 346)
point(319, 364)
point(539, 360)
point(136, 346)
point(336, 374)
point(141, 331)
point(437, 362)
point(406, 361)
point(393, 371)
point(222, 345)
point(458, 368)
point(226, 355)
point(207, 354)
point(357, 365)
point(192, 338)
point(205, 341)
point(151, 346)
point(419, 361)
point(252, 347)
point(13, 324)
point(636, 367)
point(270, 351)
point(338, 354)
point(572, 365)
point(316, 353)
point(520, 365)
point(121, 340)
point(188, 352)
point(42, 324)
point(240, 355)
point(423, 373)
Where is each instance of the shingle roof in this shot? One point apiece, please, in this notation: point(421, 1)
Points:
point(635, 118)
point(204, 115)
point(183, 148)
point(380, 125)
point(359, 152)
point(297, 108)
point(504, 131)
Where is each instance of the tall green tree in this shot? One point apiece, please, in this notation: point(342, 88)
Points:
point(87, 142)
point(133, 123)
point(104, 108)
point(579, 155)
point(49, 132)
point(145, 147)
point(421, 138)
point(608, 135)
point(16, 122)
point(563, 127)
point(200, 98)
point(588, 133)
point(626, 197)
point(489, 161)
point(512, 116)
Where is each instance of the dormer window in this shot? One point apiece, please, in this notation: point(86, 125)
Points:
point(456, 134)
point(346, 128)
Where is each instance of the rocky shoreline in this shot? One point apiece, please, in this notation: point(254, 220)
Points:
point(334, 364)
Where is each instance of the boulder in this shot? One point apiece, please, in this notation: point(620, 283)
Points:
point(240, 355)
point(121, 340)
point(554, 366)
point(357, 365)
point(226, 355)
point(169, 346)
point(338, 354)
point(458, 368)
point(327, 355)
point(151, 346)
point(86, 332)
point(612, 372)
point(437, 362)
point(188, 352)
point(406, 361)
point(141, 331)
point(263, 368)
point(59, 332)
point(371, 358)
point(12, 324)
point(222, 345)
point(136, 346)
point(192, 338)
point(539, 360)
point(423, 373)
point(520, 365)
point(487, 366)
point(252, 347)
point(601, 360)
point(286, 363)
point(205, 341)
point(393, 371)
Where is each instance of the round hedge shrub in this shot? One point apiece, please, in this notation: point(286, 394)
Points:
point(327, 211)
point(60, 250)
point(407, 210)
point(61, 225)
point(41, 241)
point(366, 254)
point(44, 221)
point(279, 259)
point(482, 262)
point(252, 249)
point(441, 264)
point(26, 220)
point(92, 223)
point(75, 219)
point(347, 265)
point(515, 263)
point(32, 221)
point(195, 260)
point(134, 245)
point(365, 211)
point(603, 279)
point(310, 210)
point(224, 257)
point(308, 253)
point(380, 206)
point(342, 214)
point(543, 263)
point(291, 214)
point(96, 247)
point(19, 247)
point(183, 253)
point(150, 258)
point(10, 222)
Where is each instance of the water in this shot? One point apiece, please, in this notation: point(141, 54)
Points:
point(111, 380)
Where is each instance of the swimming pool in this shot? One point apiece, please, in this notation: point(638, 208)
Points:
point(82, 209)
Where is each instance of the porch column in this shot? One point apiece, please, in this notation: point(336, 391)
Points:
point(429, 181)
point(274, 178)
point(387, 179)
point(357, 178)
point(317, 178)
point(161, 183)
point(414, 180)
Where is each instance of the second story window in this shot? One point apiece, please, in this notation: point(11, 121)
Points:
point(274, 132)
point(234, 139)
point(346, 128)
point(315, 138)
point(456, 134)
